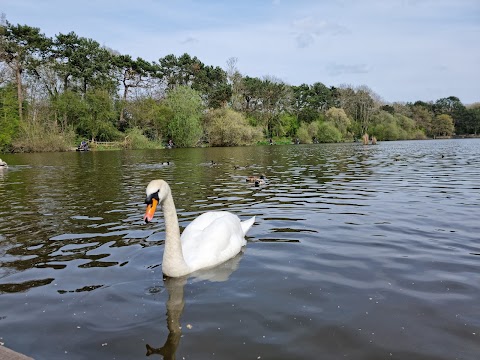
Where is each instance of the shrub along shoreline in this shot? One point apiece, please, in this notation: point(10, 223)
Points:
point(56, 92)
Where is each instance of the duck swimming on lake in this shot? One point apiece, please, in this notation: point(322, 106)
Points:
point(259, 182)
point(211, 239)
point(255, 178)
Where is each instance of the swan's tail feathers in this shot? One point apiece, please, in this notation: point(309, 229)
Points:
point(247, 224)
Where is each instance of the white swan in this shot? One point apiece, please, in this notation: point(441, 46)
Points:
point(209, 240)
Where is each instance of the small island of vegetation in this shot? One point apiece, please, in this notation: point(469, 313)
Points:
point(57, 92)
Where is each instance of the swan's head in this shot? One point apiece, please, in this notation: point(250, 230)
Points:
point(157, 191)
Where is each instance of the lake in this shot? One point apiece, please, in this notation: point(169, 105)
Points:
point(359, 252)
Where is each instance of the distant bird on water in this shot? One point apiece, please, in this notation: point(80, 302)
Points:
point(255, 178)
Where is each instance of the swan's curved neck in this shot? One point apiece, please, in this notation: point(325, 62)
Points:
point(173, 261)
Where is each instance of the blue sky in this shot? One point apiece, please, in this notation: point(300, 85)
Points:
point(404, 50)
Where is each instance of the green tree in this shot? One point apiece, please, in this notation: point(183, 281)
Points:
point(309, 101)
point(266, 100)
point(186, 105)
point(453, 106)
point(472, 124)
point(339, 119)
point(251, 91)
point(301, 104)
point(178, 71)
point(21, 48)
point(151, 116)
point(226, 127)
point(9, 119)
point(83, 64)
point(212, 83)
point(443, 125)
point(328, 133)
point(423, 117)
point(98, 121)
point(69, 108)
point(287, 125)
point(131, 74)
point(359, 104)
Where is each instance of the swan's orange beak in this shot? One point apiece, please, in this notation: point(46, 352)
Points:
point(150, 211)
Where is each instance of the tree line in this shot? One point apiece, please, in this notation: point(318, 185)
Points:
point(57, 91)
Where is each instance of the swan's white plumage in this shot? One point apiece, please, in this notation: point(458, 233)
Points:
point(211, 239)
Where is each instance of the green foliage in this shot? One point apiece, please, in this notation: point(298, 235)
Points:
point(75, 83)
point(209, 81)
point(311, 100)
point(276, 141)
point(324, 132)
point(186, 106)
point(388, 108)
point(339, 119)
point(386, 131)
point(303, 134)
point(8, 116)
point(98, 122)
point(22, 48)
point(386, 126)
point(135, 139)
point(69, 108)
point(83, 63)
point(472, 123)
point(443, 125)
point(150, 116)
point(328, 133)
point(287, 125)
point(405, 123)
point(423, 117)
point(38, 137)
point(226, 127)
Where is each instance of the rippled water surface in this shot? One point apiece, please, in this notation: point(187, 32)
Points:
point(359, 252)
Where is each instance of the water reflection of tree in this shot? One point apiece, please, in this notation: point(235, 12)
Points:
point(176, 303)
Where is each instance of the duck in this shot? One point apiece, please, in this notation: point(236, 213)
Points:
point(211, 239)
point(255, 178)
point(166, 163)
point(3, 163)
point(259, 182)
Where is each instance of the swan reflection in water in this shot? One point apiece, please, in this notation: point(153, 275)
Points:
point(176, 302)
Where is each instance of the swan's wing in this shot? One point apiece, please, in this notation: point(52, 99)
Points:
point(212, 238)
point(204, 220)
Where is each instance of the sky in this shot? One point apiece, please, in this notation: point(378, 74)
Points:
point(403, 50)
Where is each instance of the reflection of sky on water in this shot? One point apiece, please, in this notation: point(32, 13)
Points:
point(357, 250)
